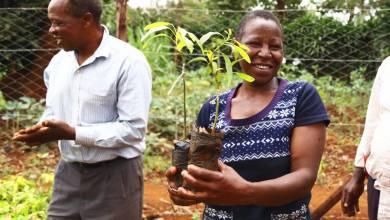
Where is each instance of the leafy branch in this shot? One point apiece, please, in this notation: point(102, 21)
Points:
point(214, 51)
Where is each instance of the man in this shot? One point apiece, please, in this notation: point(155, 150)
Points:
point(97, 102)
point(373, 154)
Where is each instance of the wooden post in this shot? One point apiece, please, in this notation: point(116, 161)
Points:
point(281, 7)
point(121, 13)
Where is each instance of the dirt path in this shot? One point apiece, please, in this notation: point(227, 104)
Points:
point(157, 204)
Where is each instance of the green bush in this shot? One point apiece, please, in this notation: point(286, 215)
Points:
point(23, 199)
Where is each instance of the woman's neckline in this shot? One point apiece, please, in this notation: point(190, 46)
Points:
point(259, 115)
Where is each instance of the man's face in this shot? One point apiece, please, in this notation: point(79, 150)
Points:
point(66, 29)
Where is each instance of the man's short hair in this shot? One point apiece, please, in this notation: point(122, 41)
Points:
point(78, 8)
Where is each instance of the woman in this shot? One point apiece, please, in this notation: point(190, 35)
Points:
point(274, 134)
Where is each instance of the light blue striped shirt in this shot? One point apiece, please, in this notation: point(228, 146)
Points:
point(106, 99)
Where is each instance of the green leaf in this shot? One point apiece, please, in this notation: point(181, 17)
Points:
point(145, 45)
point(151, 31)
point(210, 55)
point(219, 77)
point(228, 64)
point(206, 37)
point(195, 39)
point(189, 44)
point(214, 66)
point(180, 46)
point(156, 25)
point(245, 76)
point(243, 46)
point(196, 59)
point(242, 53)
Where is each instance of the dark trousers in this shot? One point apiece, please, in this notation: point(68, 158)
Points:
point(372, 199)
point(110, 190)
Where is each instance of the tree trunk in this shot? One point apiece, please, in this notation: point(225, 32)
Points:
point(121, 26)
point(281, 7)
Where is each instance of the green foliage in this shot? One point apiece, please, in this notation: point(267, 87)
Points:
point(22, 199)
point(156, 153)
point(24, 3)
point(22, 113)
point(351, 93)
point(20, 31)
point(212, 47)
point(332, 41)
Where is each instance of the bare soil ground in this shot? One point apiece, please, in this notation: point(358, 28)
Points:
point(336, 168)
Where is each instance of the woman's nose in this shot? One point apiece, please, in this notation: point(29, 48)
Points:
point(264, 52)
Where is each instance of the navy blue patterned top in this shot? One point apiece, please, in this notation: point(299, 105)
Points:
point(258, 147)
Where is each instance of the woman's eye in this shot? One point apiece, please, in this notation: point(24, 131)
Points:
point(255, 45)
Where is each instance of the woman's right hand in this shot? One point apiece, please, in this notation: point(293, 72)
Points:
point(352, 192)
point(174, 194)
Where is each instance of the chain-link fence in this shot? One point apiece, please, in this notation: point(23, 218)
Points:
point(339, 49)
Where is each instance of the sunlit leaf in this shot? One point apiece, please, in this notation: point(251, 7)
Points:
point(189, 44)
point(245, 76)
point(228, 64)
point(243, 46)
point(156, 25)
point(206, 37)
point(180, 46)
point(242, 53)
point(210, 55)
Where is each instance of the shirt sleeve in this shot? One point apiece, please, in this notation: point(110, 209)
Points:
point(310, 109)
point(372, 118)
point(134, 98)
point(48, 112)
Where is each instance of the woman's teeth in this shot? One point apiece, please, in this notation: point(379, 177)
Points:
point(262, 67)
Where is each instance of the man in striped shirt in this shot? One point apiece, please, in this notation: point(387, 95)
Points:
point(97, 103)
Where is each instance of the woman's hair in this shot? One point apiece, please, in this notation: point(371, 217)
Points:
point(267, 15)
point(79, 7)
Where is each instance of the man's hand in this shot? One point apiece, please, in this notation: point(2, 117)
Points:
point(351, 193)
point(173, 189)
point(46, 131)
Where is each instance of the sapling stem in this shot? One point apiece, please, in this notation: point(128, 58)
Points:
point(184, 98)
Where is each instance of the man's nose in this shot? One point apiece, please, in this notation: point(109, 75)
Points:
point(52, 29)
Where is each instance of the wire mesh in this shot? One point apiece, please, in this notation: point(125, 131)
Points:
point(313, 42)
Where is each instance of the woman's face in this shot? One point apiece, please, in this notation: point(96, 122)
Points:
point(264, 39)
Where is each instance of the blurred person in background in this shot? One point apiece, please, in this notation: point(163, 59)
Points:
point(373, 154)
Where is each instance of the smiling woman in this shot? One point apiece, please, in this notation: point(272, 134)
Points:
point(274, 134)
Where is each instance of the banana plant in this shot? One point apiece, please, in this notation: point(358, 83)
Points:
point(214, 50)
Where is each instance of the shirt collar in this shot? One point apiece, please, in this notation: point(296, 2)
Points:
point(103, 49)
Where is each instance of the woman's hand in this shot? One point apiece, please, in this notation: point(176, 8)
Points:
point(174, 194)
point(222, 188)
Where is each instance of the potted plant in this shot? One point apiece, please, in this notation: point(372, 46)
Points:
point(213, 49)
